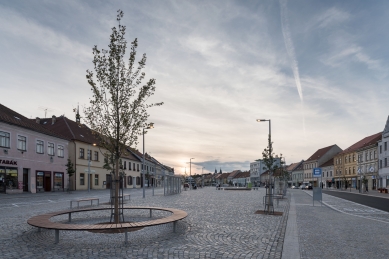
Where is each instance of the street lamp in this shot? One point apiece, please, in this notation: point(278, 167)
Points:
point(190, 171)
point(89, 155)
point(149, 126)
point(270, 173)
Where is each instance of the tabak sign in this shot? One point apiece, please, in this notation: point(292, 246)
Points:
point(8, 162)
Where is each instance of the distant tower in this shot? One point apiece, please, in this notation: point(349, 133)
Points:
point(215, 171)
point(78, 114)
point(220, 171)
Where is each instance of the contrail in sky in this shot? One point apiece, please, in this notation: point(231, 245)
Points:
point(292, 56)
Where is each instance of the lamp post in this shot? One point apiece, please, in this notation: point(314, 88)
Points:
point(190, 171)
point(149, 126)
point(89, 155)
point(270, 172)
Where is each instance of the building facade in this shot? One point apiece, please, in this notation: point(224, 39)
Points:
point(383, 157)
point(32, 158)
point(316, 160)
point(346, 164)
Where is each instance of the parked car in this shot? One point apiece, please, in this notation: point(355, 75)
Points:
point(294, 187)
point(302, 187)
point(308, 187)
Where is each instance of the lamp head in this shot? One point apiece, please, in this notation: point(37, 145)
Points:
point(150, 126)
point(259, 120)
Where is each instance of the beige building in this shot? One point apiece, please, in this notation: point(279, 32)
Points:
point(317, 160)
point(88, 157)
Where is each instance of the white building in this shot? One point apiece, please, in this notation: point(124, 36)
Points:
point(257, 168)
point(383, 156)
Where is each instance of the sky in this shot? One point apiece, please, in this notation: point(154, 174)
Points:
point(317, 69)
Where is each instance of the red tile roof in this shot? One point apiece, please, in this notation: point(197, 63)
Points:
point(319, 153)
point(242, 174)
point(293, 166)
point(11, 117)
point(363, 143)
point(328, 163)
point(70, 129)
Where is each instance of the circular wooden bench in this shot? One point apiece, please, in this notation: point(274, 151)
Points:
point(43, 221)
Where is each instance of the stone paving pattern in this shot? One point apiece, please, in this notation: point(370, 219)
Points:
point(220, 224)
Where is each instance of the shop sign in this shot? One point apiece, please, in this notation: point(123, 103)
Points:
point(8, 162)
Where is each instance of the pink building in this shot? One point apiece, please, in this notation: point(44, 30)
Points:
point(32, 158)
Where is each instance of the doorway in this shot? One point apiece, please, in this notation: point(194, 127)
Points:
point(47, 184)
point(25, 180)
point(108, 179)
point(90, 181)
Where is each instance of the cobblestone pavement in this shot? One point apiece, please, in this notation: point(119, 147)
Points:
point(220, 224)
point(339, 228)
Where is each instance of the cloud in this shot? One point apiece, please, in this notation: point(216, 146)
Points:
point(331, 17)
point(31, 32)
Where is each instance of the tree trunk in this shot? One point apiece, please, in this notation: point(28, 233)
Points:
point(116, 208)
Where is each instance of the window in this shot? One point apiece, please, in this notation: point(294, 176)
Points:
point(58, 182)
point(330, 173)
point(137, 167)
point(82, 179)
point(137, 180)
point(125, 165)
point(21, 143)
point(81, 153)
point(133, 166)
point(354, 157)
point(375, 154)
point(50, 149)
point(96, 179)
point(39, 146)
point(386, 146)
point(89, 154)
point(386, 162)
point(96, 156)
point(380, 163)
point(60, 151)
point(130, 180)
point(353, 170)
point(4, 139)
point(371, 155)
point(39, 180)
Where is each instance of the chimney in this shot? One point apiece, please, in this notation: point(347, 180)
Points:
point(53, 119)
point(37, 120)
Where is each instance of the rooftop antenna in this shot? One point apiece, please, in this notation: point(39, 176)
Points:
point(46, 109)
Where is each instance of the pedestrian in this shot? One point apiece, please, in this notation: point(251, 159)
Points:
point(367, 189)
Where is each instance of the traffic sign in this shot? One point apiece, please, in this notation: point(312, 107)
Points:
point(316, 172)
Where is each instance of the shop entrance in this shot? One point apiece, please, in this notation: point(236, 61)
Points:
point(25, 180)
point(47, 185)
point(2, 181)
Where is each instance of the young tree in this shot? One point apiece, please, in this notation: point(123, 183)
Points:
point(70, 171)
point(271, 164)
point(118, 109)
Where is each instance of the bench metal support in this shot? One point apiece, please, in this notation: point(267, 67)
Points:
point(126, 237)
point(57, 236)
point(174, 226)
point(151, 213)
point(70, 217)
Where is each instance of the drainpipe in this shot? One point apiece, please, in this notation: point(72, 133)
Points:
point(75, 165)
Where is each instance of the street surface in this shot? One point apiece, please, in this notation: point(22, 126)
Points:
point(220, 224)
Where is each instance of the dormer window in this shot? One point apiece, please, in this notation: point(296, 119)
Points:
point(4, 139)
